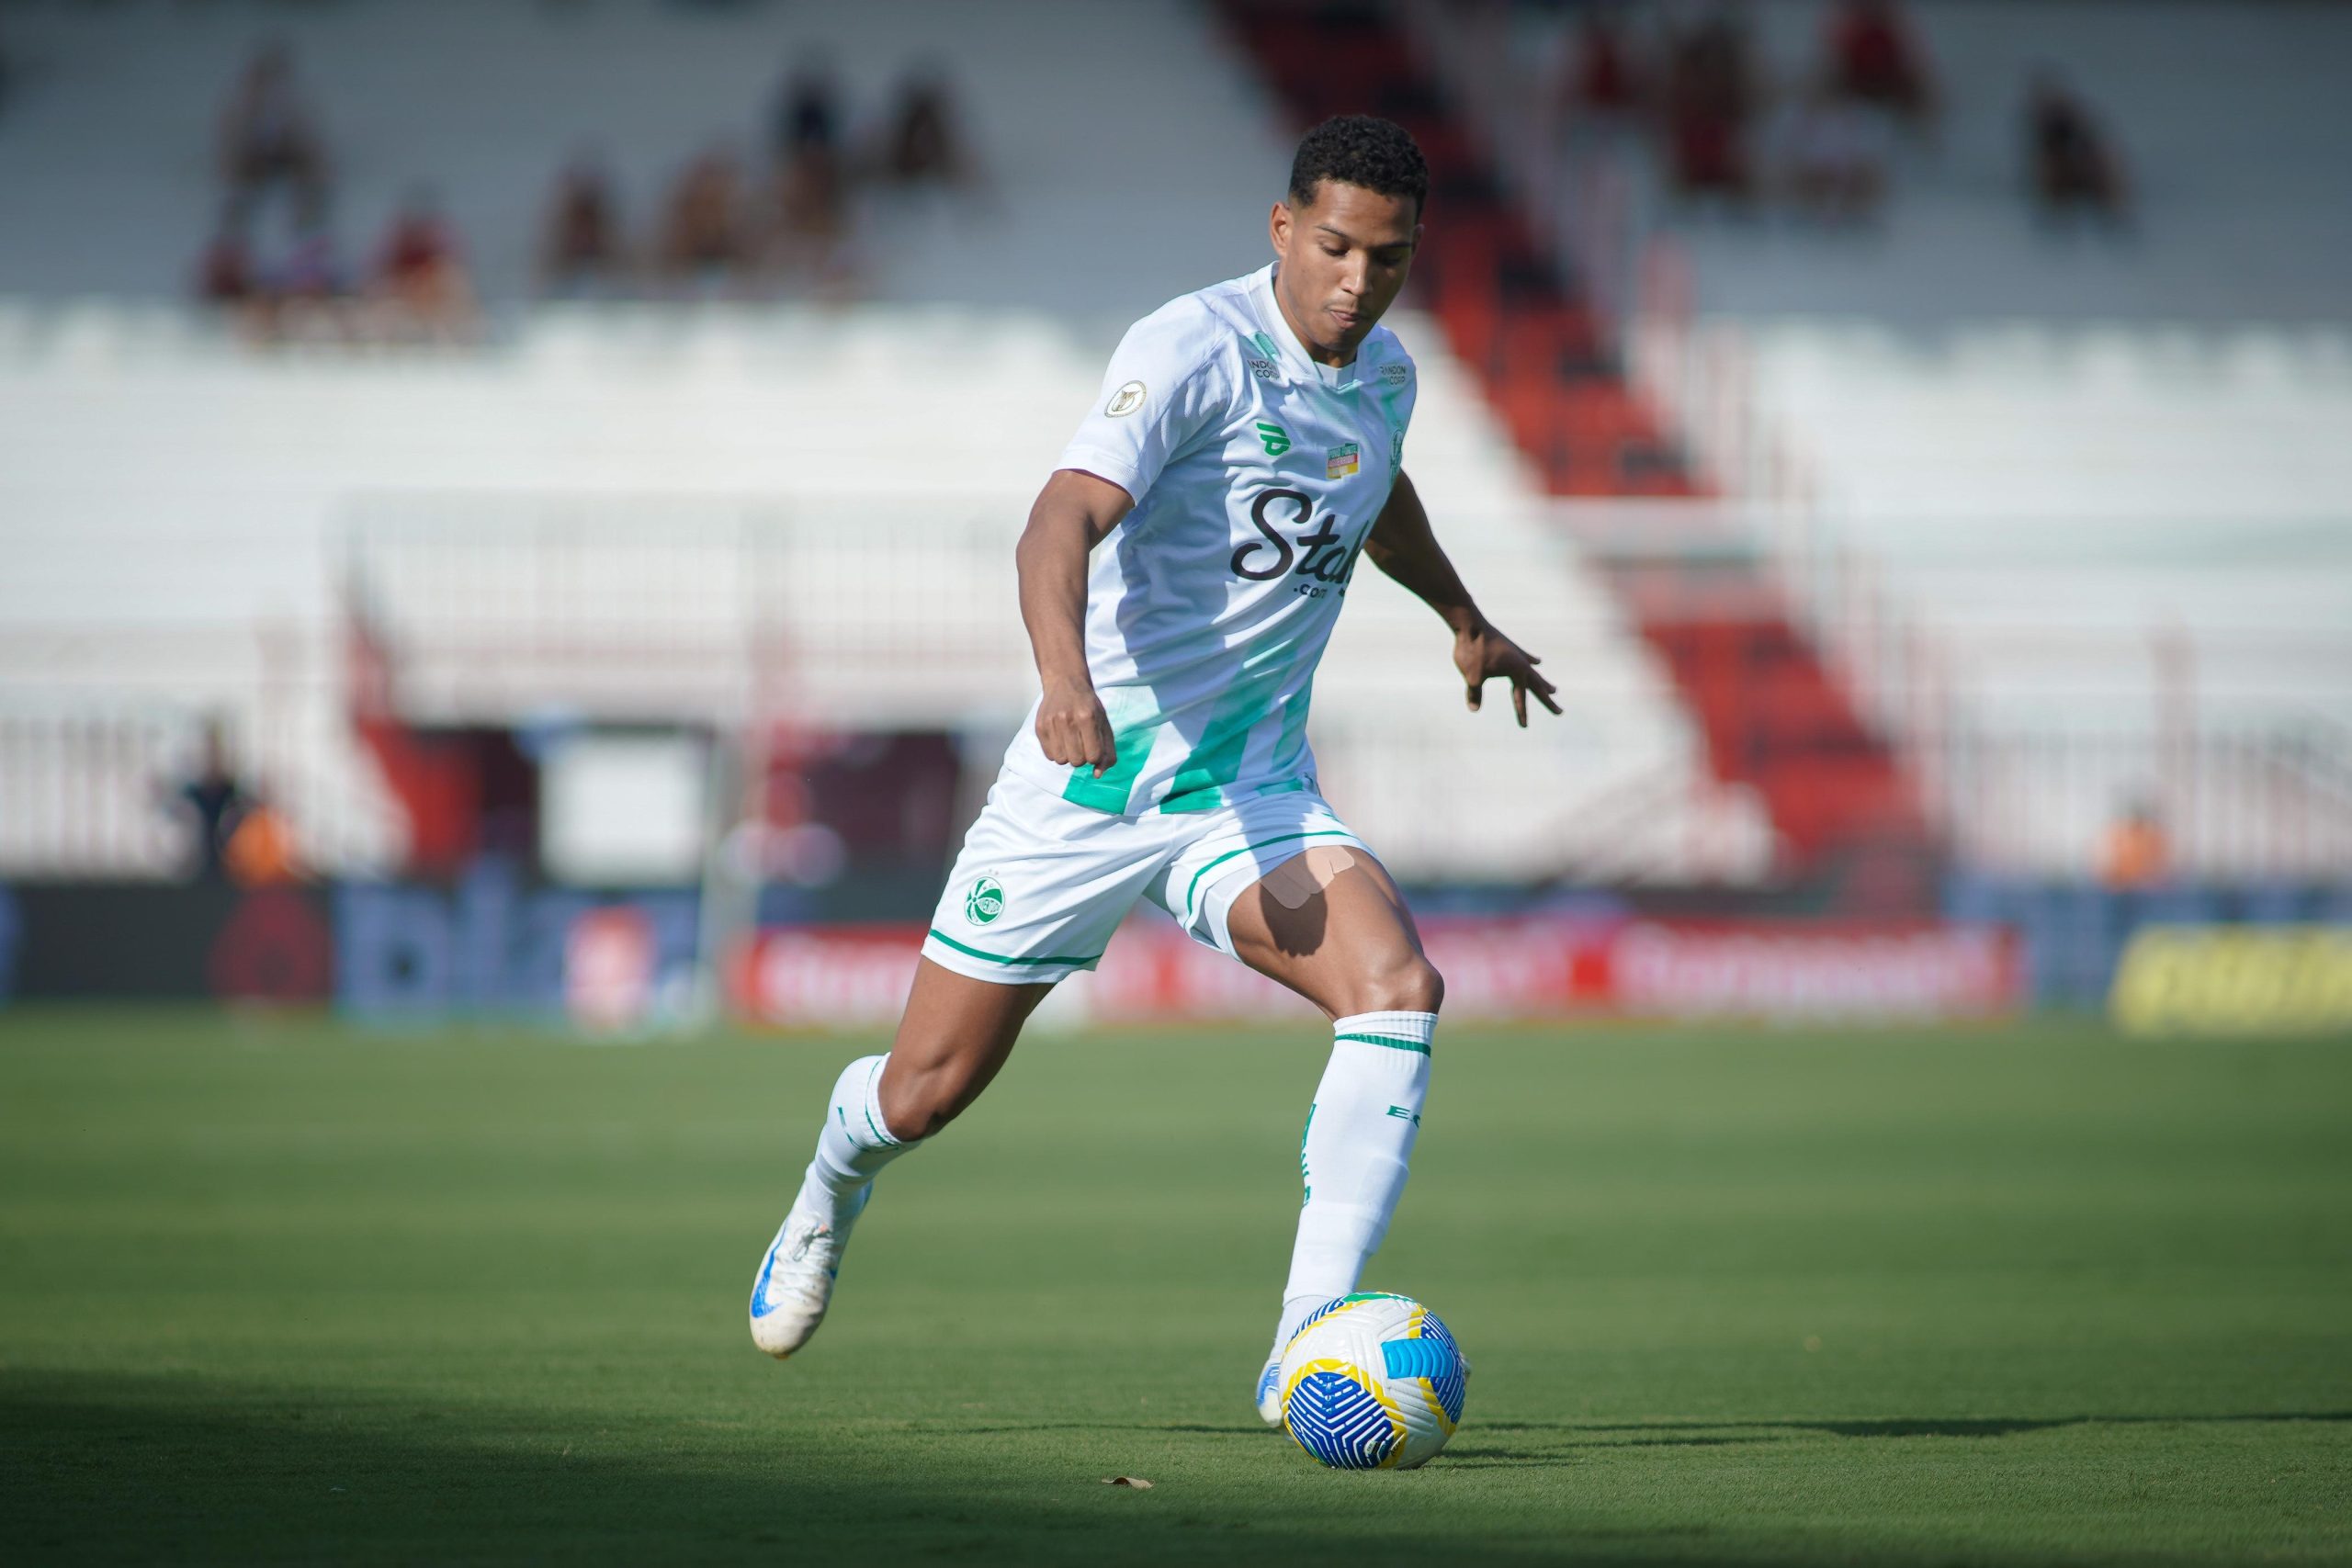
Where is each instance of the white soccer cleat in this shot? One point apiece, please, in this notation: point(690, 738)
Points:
point(795, 1281)
point(1269, 1390)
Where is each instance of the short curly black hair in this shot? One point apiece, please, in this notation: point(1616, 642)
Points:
point(1360, 150)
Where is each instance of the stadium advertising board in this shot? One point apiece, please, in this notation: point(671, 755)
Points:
point(495, 945)
point(1495, 969)
point(61, 942)
point(2235, 980)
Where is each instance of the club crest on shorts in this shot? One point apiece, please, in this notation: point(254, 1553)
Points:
point(985, 902)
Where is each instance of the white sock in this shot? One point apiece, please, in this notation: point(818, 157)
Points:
point(854, 1144)
point(1352, 1158)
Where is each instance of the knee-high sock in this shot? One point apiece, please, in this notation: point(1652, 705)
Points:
point(854, 1146)
point(1359, 1137)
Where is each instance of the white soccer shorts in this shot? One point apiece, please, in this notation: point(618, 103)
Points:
point(1042, 883)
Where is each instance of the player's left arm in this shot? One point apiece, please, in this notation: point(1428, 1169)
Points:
point(1402, 545)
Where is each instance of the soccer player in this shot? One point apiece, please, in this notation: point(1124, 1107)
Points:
point(1180, 575)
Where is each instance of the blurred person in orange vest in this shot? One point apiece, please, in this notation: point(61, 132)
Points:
point(260, 851)
point(2137, 853)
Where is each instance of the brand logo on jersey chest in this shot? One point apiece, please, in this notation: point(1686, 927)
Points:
point(1321, 555)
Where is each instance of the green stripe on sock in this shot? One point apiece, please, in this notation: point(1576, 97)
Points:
point(1000, 958)
point(1391, 1041)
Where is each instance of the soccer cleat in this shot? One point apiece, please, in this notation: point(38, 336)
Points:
point(796, 1280)
point(1269, 1390)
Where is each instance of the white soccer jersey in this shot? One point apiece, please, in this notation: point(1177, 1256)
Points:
point(1256, 474)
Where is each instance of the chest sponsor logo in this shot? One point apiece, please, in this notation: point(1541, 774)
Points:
point(1342, 461)
point(1276, 438)
point(1394, 374)
point(1264, 369)
point(1125, 400)
point(1321, 556)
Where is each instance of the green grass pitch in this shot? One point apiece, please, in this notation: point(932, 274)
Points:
point(277, 1290)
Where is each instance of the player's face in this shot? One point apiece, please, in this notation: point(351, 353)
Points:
point(1344, 256)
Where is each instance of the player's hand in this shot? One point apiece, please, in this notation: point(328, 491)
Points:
point(1073, 728)
point(1481, 653)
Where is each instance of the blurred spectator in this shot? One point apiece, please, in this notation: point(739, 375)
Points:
point(922, 145)
point(582, 245)
point(226, 274)
point(809, 239)
point(1603, 79)
point(1836, 158)
point(313, 272)
point(807, 112)
point(215, 800)
point(1710, 99)
point(418, 274)
point(2071, 165)
point(702, 231)
point(2137, 853)
point(1873, 61)
point(269, 136)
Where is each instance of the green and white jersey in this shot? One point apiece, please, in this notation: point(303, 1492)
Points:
point(1256, 474)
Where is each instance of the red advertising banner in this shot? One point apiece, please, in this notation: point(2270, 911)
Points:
point(1496, 968)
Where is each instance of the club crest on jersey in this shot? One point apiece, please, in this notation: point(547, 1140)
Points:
point(1125, 400)
point(985, 902)
point(1340, 462)
point(1276, 438)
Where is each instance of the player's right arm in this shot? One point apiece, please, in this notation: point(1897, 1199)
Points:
point(1164, 390)
point(1073, 514)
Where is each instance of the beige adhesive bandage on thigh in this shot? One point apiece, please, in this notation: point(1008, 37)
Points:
point(1305, 875)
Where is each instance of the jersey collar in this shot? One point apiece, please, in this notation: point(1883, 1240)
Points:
point(1276, 337)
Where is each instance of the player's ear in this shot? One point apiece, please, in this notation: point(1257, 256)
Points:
point(1278, 227)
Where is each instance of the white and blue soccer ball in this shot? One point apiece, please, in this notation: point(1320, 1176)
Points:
point(1372, 1381)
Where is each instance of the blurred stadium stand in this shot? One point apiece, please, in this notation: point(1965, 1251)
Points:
point(739, 516)
point(1827, 563)
point(2065, 504)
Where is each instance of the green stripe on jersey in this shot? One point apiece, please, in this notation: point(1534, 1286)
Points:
point(1109, 793)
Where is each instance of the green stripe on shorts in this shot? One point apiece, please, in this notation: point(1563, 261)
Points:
point(1000, 958)
point(1193, 892)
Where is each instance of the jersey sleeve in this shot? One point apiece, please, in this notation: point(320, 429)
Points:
point(1165, 387)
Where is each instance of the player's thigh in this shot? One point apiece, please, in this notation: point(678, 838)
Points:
point(1330, 924)
point(955, 1035)
point(1037, 889)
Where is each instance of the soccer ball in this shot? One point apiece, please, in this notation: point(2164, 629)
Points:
point(1372, 1381)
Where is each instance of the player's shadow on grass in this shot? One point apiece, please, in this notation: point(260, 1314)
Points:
point(108, 1468)
point(1897, 1425)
